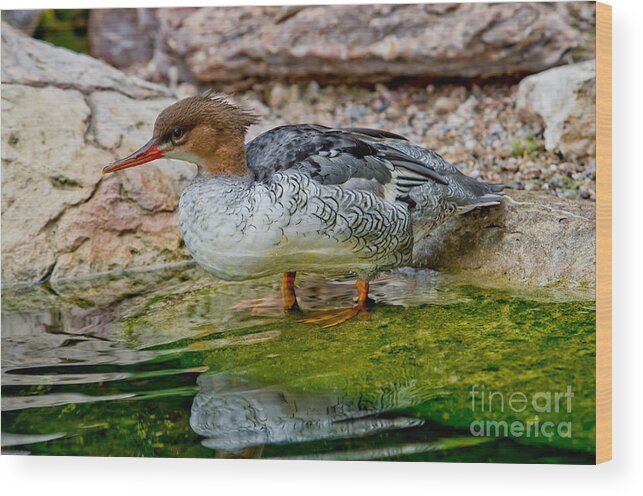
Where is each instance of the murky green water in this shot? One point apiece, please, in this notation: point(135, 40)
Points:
point(171, 364)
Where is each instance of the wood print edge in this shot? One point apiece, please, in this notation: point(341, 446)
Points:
point(603, 232)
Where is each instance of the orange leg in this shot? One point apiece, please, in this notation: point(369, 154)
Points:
point(332, 318)
point(288, 291)
point(272, 305)
point(362, 293)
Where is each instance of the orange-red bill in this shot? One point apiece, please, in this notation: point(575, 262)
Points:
point(148, 152)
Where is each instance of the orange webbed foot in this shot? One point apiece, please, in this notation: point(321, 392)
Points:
point(334, 317)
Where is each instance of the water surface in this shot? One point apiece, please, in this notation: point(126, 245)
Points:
point(175, 364)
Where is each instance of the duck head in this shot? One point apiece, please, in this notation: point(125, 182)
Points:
point(205, 130)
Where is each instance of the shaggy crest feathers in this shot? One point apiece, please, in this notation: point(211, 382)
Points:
point(209, 109)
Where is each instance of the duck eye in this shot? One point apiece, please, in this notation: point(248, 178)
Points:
point(177, 134)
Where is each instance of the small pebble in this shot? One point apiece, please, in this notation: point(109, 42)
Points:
point(445, 105)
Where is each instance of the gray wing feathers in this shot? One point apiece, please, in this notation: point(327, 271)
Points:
point(434, 203)
point(348, 158)
point(335, 156)
point(372, 133)
point(462, 190)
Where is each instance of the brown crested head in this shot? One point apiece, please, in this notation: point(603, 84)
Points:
point(205, 111)
point(206, 130)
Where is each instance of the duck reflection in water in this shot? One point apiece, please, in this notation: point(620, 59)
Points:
point(238, 420)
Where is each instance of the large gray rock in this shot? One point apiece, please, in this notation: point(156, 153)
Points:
point(563, 101)
point(233, 47)
point(532, 239)
point(64, 116)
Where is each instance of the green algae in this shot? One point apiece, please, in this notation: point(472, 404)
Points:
point(427, 359)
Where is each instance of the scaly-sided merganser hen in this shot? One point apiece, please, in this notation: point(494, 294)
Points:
point(303, 197)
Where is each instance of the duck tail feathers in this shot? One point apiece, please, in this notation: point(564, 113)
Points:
point(480, 195)
point(489, 200)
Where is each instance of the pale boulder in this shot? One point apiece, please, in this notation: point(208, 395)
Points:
point(563, 101)
point(65, 116)
point(532, 239)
